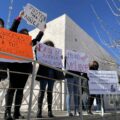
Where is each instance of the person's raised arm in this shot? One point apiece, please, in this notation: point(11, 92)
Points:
point(16, 22)
point(38, 37)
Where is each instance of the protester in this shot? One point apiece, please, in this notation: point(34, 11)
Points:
point(93, 66)
point(3, 65)
point(18, 81)
point(72, 88)
point(51, 74)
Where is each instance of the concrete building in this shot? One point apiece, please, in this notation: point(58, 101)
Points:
point(66, 34)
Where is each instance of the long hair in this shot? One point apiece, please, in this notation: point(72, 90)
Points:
point(49, 43)
point(24, 31)
point(2, 21)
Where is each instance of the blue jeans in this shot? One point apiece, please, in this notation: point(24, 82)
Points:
point(72, 87)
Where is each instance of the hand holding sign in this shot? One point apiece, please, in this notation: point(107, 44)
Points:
point(21, 14)
point(34, 16)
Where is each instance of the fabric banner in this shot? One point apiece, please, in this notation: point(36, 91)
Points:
point(16, 44)
point(49, 55)
point(77, 61)
point(103, 82)
point(34, 16)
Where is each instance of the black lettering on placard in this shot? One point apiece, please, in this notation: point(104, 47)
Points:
point(42, 18)
point(30, 19)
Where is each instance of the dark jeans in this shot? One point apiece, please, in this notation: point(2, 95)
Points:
point(16, 84)
point(43, 84)
point(91, 99)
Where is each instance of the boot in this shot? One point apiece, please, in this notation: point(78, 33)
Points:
point(39, 113)
point(17, 115)
point(49, 100)
point(18, 103)
point(8, 102)
point(50, 114)
point(7, 115)
point(40, 101)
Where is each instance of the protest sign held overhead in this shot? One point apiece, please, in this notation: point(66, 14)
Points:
point(49, 55)
point(16, 44)
point(77, 61)
point(103, 82)
point(34, 16)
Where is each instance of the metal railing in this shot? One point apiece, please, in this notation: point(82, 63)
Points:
point(62, 93)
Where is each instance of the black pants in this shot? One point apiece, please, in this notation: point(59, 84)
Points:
point(16, 84)
point(43, 84)
point(3, 74)
point(91, 100)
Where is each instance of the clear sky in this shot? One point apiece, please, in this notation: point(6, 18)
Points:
point(107, 23)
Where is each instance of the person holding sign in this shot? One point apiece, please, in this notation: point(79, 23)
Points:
point(18, 81)
point(3, 65)
point(50, 74)
point(72, 88)
point(93, 66)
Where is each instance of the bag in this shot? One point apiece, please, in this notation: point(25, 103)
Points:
point(59, 75)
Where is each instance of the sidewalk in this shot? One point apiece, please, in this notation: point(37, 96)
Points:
point(62, 115)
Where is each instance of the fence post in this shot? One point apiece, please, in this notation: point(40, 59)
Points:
point(80, 105)
point(31, 91)
point(115, 107)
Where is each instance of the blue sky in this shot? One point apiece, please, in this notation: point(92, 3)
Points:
point(106, 24)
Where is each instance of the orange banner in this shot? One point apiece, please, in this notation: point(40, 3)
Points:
point(15, 43)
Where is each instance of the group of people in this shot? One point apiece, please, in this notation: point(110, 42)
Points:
point(74, 88)
point(18, 81)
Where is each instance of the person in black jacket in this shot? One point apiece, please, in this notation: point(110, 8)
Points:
point(17, 81)
point(49, 73)
point(3, 65)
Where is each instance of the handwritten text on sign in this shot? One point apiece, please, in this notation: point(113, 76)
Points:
point(76, 61)
point(34, 16)
point(14, 43)
point(49, 55)
point(103, 82)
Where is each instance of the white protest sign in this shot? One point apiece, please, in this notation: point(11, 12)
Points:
point(103, 82)
point(49, 55)
point(34, 16)
point(76, 61)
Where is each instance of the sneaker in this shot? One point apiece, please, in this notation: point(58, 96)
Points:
point(77, 114)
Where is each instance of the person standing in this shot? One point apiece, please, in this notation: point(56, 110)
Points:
point(93, 66)
point(18, 81)
point(72, 88)
point(3, 65)
point(48, 82)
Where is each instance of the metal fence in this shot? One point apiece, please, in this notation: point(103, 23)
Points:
point(30, 98)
